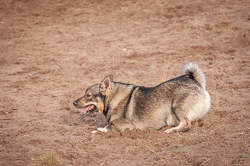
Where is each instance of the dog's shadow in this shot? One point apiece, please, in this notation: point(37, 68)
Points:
point(74, 118)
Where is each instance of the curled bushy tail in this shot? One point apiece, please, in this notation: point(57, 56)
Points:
point(193, 69)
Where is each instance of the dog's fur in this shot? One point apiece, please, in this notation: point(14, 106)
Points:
point(176, 102)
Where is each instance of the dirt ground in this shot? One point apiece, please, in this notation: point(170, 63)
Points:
point(51, 51)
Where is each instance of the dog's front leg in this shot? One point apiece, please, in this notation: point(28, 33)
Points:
point(102, 129)
point(105, 129)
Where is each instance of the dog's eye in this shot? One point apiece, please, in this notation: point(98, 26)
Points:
point(89, 96)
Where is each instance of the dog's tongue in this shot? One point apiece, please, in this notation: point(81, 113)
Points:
point(85, 110)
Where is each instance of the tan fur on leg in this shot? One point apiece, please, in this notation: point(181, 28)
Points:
point(184, 125)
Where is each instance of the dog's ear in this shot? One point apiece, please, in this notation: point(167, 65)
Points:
point(105, 86)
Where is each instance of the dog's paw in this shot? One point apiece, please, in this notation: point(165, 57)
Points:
point(100, 129)
point(103, 129)
point(93, 132)
point(168, 131)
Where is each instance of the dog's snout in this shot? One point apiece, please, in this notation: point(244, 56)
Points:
point(75, 103)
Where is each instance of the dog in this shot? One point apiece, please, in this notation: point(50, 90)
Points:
point(176, 102)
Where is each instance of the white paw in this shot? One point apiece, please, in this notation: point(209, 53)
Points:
point(168, 131)
point(102, 129)
point(95, 131)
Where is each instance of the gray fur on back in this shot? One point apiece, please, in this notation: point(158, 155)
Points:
point(193, 69)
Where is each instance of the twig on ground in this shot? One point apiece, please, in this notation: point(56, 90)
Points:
point(150, 149)
point(164, 76)
point(205, 162)
point(179, 134)
point(214, 129)
point(217, 99)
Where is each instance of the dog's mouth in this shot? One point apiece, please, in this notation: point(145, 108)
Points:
point(88, 109)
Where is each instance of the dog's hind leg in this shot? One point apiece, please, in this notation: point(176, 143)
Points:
point(184, 125)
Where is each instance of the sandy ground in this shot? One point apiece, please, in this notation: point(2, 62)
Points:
point(51, 51)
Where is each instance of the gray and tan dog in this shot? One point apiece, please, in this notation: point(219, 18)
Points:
point(176, 102)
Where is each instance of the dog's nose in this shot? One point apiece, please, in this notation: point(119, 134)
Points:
point(75, 103)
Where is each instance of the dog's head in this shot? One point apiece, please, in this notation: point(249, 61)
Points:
point(94, 97)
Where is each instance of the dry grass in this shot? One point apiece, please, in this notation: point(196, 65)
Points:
point(218, 111)
point(242, 156)
point(50, 159)
point(217, 102)
point(164, 75)
point(178, 149)
point(211, 22)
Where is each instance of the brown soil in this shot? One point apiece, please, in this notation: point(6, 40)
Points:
point(51, 51)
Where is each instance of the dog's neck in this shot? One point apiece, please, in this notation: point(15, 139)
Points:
point(117, 99)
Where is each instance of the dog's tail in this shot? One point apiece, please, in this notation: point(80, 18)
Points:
point(193, 69)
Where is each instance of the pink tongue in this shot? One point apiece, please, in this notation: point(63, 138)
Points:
point(86, 109)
